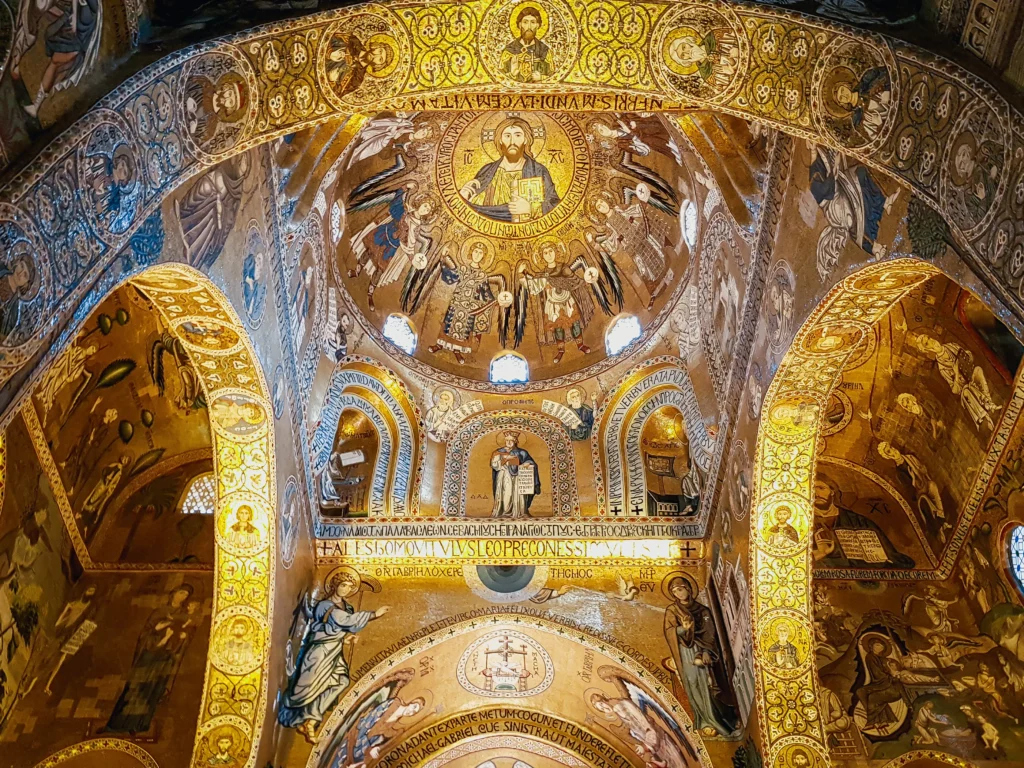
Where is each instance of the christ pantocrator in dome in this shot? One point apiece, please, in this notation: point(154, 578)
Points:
point(516, 187)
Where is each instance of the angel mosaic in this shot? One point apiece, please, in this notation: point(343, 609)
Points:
point(374, 722)
point(398, 131)
point(656, 735)
point(629, 232)
point(626, 141)
point(322, 668)
point(387, 247)
point(560, 294)
point(479, 295)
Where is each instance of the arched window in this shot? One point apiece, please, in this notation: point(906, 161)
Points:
point(1015, 554)
point(624, 330)
point(336, 222)
point(200, 495)
point(399, 331)
point(509, 368)
point(689, 222)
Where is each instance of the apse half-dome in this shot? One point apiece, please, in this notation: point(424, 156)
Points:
point(529, 232)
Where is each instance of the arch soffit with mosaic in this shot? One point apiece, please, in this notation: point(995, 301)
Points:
point(784, 472)
point(561, 481)
point(651, 675)
point(377, 392)
point(618, 465)
point(244, 464)
point(936, 108)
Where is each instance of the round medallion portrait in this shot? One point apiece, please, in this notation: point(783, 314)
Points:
point(513, 175)
point(528, 42)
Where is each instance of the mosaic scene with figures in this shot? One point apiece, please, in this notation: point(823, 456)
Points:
point(511, 384)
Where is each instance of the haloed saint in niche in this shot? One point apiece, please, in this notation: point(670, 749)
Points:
point(514, 478)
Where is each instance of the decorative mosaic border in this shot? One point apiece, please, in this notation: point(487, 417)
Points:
point(936, 107)
point(788, 701)
point(234, 694)
point(130, 748)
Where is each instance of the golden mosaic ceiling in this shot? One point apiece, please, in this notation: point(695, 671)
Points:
point(495, 231)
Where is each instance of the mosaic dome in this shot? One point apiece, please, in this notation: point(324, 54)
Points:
point(531, 232)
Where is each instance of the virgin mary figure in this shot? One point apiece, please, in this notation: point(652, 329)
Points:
point(697, 657)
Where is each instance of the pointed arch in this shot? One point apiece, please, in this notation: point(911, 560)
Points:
point(377, 392)
point(618, 465)
point(561, 482)
point(241, 420)
point(789, 701)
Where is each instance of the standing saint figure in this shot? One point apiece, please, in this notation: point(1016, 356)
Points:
point(73, 627)
point(71, 31)
point(507, 464)
point(157, 658)
point(516, 187)
point(527, 59)
point(321, 670)
point(853, 205)
point(697, 657)
point(206, 213)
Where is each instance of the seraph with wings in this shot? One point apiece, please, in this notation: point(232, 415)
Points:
point(560, 294)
